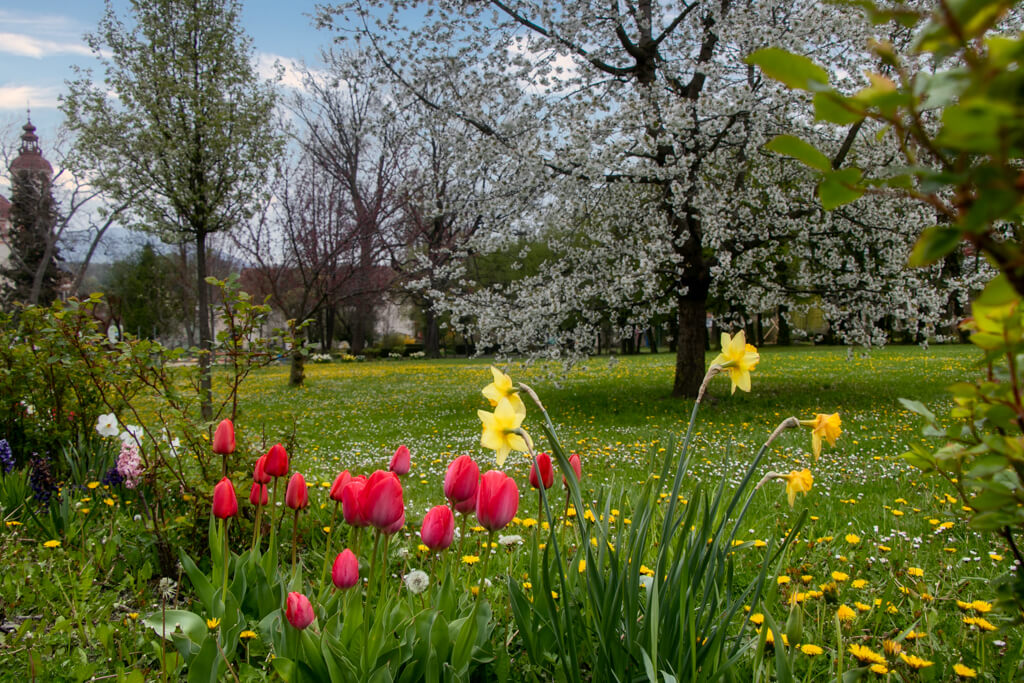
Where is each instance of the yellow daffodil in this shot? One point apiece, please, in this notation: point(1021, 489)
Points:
point(825, 427)
point(739, 358)
point(797, 482)
point(497, 430)
point(502, 387)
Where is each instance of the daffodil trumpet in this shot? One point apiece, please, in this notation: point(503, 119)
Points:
point(738, 358)
point(797, 481)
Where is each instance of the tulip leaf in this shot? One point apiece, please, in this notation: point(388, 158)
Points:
point(200, 583)
point(167, 622)
point(934, 243)
point(792, 146)
point(793, 71)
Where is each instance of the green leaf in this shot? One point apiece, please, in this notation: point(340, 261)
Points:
point(934, 244)
point(166, 623)
point(998, 292)
point(834, 108)
point(840, 187)
point(918, 408)
point(793, 71)
point(802, 151)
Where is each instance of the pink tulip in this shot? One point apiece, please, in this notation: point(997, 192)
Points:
point(340, 482)
point(381, 500)
point(395, 526)
point(401, 461)
point(345, 572)
point(224, 438)
point(352, 502)
point(497, 500)
point(467, 506)
point(258, 494)
point(296, 496)
point(259, 473)
point(547, 474)
point(461, 479)
point(298, 611)
point(276, 464)
point(574, 462)
point(438, 528)
point(225, 504)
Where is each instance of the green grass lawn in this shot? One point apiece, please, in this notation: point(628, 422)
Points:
point(903, 544)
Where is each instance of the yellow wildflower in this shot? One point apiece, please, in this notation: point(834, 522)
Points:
point(810, 650)
point(880, 669)
point(845, 613)
point(964, 671)
point(52, 544)
point(739, 358)
point(247, 634)
point(981, 606)
point(865, 654)
point(470, 559)
point(840, 576)
point(915, 661)
point(915, 571)
point(891, 647)
point(212, 623)
point(852, 539)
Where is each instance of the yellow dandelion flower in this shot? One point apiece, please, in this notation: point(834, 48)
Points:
point(52, 544)
point(93, 484)
point(852, 539)
point(980, 606)
point(865, 654)
point(840, 576)
point(470, 559)
point(964, 671)
point(757, 619)
point(212, 623)
point(845, 613)
point(915, 571)
point(859, 583)
point(891, 647)
point(247, 634)
point(880, 669)
point(811, 650)
point(782, 580)
point(914, 661)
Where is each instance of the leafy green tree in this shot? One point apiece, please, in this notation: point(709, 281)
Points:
point(140, 292)
point(180, 123)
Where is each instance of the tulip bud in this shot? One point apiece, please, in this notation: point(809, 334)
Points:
point(438, 528)
point(547, 473)
point(276, 464)
point(401, 461)
point(352, 502)
point(225, 504)
point(224, 438)
point(298, 611)
point(345, 572)
point(259, 473)
point(258, 494)
point(395, 526)
point(497, 500)
point(340, 482)
point(461, 479)
point(296, 496)
point(577, 467)
point(381, 500)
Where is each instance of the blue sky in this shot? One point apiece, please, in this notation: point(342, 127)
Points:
point(40, 42)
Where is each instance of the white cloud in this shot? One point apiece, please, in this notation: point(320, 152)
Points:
point(27, 46)
point(21, 96)
point(291, 70)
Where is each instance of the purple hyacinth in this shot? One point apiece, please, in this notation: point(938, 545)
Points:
point(6, 457)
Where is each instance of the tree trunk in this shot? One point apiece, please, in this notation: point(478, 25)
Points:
point(297, 375)
point(431, 333)
point(689, 347)
point(652, 333)
point(205, 335)
point(329, 322)
point(785, 337)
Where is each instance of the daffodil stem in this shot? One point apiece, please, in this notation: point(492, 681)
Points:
point(327, 550)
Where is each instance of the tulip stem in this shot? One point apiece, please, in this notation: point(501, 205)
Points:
point(273, 506)
point(295, 539)
point(257, 527)
point(373, 568)
point(487, 561)
point(227, 561)
point(327, 550)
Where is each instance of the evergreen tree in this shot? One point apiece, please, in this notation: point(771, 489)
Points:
point(32, 272)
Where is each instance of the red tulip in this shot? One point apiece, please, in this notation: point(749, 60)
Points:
point(258, 494)
point(345, 572)
point(259, 473)
point(395, 526)
point(296, 496)
point(352, 502)
point(469, 505)
point(225, 504)
point(461, 479)
point(340, 482)
point(224, 438)
point(381, 499)
point(574, 462)
point(438, 528)
point(547, 474)
point(497, 500)
point(400, 461)
point(298, 610)
point(276, 464)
